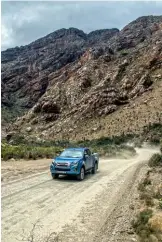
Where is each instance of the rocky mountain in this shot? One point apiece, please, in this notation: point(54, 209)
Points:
point(26, 69)
point(77, 85)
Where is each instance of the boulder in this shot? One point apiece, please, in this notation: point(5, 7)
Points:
point(29, 129)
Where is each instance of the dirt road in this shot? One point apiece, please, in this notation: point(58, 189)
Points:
point(96, 209)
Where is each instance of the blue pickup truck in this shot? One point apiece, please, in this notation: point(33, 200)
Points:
point(76, 162)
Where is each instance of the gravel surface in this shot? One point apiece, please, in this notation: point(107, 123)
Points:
point(96, 209)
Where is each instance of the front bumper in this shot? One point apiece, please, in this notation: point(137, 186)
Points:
point(73, 170)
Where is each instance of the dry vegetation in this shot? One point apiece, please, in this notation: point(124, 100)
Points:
point(20, 148)
point(148, 221)
point(24, 147)
point(31, 237)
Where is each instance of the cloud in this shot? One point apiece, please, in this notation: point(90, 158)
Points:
point(24, 22)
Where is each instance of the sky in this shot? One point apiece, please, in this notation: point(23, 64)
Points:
point(25, 21)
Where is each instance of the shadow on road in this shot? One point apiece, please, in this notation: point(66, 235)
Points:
point(64, 178)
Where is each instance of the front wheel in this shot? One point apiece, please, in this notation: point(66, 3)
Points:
point(80, 177)
point(55, 176)
point(94, 169)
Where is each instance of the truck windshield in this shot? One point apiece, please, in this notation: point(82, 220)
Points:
point(72, 153)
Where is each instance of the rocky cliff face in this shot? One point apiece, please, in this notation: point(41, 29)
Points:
point(73, 84)
point(25, 70)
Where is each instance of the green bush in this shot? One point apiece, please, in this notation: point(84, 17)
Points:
point(28, 152)
point(145, 182)
point(153, 133)
point(155, 160)
point(28, 148)
point(140, 224)
point(142, 218)
point(24, 151)
point(124, 52)
point(138, 142)
point(114, 140)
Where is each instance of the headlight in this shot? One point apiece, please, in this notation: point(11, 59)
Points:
point(74, 163)
point(54, 162)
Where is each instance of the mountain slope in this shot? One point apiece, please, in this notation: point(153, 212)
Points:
point(25, 70)
point(111, 85)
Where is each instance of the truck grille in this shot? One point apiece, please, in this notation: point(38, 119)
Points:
point(63, 164)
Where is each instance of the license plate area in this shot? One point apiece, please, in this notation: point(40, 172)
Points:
point(61, 172)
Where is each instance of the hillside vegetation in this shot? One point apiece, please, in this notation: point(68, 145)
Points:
point(148, 220)
point(20, 148)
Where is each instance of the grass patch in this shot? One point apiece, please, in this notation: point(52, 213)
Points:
point(140, 224)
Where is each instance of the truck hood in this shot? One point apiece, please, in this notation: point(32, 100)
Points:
point(66, 159)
